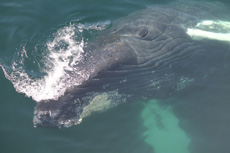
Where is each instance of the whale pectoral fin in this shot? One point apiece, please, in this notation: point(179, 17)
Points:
point(210, 29)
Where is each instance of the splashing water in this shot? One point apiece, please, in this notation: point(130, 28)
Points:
point(62, 54)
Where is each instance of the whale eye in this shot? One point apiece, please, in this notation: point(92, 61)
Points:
point(142, 32)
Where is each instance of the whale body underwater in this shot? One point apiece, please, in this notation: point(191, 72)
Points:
point(152, 53)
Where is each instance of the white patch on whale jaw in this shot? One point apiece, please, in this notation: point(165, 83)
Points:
point(210, 29)
point(100, 102)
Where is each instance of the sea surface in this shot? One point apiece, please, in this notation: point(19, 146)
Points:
point(33, 39)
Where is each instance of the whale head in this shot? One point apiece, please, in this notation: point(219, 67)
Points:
point(97, 89)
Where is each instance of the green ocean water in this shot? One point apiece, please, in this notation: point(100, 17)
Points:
point(193, 121)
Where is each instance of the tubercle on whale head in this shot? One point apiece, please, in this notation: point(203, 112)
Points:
point(57, 113)
point(62, 112)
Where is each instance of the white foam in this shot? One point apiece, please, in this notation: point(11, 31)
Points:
point(63, 52)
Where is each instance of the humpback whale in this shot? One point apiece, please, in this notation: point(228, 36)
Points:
point(152, 53)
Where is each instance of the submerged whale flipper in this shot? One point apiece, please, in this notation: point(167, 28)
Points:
point(150, 54)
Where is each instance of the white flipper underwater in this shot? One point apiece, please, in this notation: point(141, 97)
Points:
point(209, 29)
point(162, 129)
